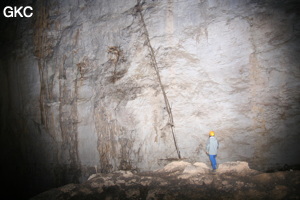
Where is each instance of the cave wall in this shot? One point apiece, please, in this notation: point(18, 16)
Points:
point(81, 93)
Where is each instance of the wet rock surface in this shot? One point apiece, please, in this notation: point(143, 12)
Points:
point(183, 180)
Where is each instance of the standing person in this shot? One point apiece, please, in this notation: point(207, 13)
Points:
point(212, 146)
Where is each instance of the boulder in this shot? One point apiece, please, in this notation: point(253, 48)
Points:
point(175, 166)
point(239, 167)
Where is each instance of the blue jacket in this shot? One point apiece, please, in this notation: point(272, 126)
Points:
point(212, 146)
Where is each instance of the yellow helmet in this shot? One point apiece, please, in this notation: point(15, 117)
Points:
point(211, 133)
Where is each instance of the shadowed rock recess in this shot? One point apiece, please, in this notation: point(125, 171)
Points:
point(94, 87)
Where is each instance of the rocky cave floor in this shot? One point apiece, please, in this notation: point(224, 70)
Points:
point(183, 180)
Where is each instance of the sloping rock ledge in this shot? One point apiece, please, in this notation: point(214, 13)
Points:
point(183, 180)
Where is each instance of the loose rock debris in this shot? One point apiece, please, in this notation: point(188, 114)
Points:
point(183, 180)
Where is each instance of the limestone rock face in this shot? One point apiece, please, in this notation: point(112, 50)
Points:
point(81, 92)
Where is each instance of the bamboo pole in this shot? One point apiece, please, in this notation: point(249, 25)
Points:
point(155, 66)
